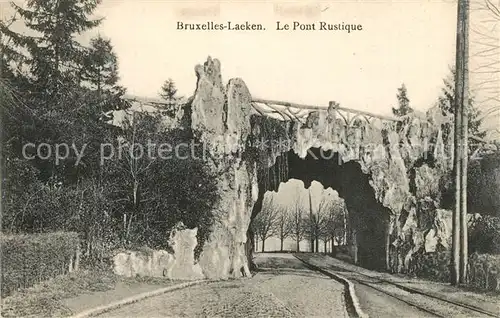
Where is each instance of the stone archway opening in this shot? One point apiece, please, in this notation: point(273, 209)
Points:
point(368, 220)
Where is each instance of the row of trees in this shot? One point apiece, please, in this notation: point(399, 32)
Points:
point(294, 220)
point(57, 92)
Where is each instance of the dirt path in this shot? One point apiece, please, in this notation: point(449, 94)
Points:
point(283, 288)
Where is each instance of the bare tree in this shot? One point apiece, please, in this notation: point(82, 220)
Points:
point(334, 228)
point(283, 226)
point(135, 167)
point(298, 221)
point(264, 224)
point(317, 221)
point(485, 49)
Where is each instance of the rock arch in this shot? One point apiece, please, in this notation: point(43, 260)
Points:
point(252, 153)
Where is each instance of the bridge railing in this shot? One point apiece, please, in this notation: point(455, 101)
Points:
point(289, 111)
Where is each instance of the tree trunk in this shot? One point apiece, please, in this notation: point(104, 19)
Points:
point(324, 242)
point(298, 245)
point(355, 247)
point(250, 248)
point(334, 248)
point(281, 244)
point(387, 246)
point(317, 245)
point(263, 243)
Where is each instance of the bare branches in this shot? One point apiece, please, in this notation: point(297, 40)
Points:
point(493, 9)
point(264, 224)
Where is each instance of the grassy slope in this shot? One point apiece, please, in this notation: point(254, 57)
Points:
point(69, 294)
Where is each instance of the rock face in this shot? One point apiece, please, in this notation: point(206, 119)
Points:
point(389, 173)
point(159, 263)
point(220, 118)
point(132, 264)
point(183, 265)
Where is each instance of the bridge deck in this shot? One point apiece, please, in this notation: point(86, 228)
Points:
point(287, 111)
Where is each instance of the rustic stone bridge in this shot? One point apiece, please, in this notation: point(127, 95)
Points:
point(392, 173)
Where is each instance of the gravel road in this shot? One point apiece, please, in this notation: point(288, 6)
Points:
point(282, 288)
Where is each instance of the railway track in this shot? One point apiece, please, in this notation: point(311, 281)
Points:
point(429, 305)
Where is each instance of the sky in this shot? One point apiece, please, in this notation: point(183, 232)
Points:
point(402, 41)
point(405, 41)
point(409, 42)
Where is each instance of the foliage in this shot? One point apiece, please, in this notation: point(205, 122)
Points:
point(483, 185)
point(168, 90)
point(156, 190)
point(484, 235)
point(483, 272)
point(29, 259)
point(46, 299)
point(298, 221)
point(446, 103)
point(55, 90)
point(101, 73)
point(317, 220)
point(53, 56)
point(334, 227)
point(434, 266)
point(169, 94)
point(403, 102)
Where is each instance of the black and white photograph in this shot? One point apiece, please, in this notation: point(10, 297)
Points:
point(169, 158)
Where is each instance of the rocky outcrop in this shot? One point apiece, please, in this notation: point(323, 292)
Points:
point(159, 263)
point(146, 264)
point(404, 162)
point(392, 174)
point(220, 118)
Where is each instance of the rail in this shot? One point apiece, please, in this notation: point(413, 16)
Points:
point(291, 111)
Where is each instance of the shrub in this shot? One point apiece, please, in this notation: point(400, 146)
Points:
point(434, 266)
point(484, 271)
point(29, 259)
point(484, 235)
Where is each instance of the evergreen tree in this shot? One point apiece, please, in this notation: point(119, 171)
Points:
point(446, 103)
point(54, 57)
point(168, 93)
point(403, 102)
point(168, 90)
point(48, 63)
point(101, 73)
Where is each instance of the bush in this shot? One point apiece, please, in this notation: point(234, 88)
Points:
point(484, 235)
point(484, 271)
point(434, 266)
point(29, 259)
point(46, 299)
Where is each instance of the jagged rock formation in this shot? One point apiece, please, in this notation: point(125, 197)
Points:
point(388, 176)
point(393, 176)
point(179, 265)
point(220, 118)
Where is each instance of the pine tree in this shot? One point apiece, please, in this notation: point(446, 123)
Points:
point(446, 103)
point(100, 71)
point(168, 90)
point(168, 93)
point(52, 58)
point(403, 102)
point(48, 62)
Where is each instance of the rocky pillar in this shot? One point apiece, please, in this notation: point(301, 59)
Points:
point(220, 119)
